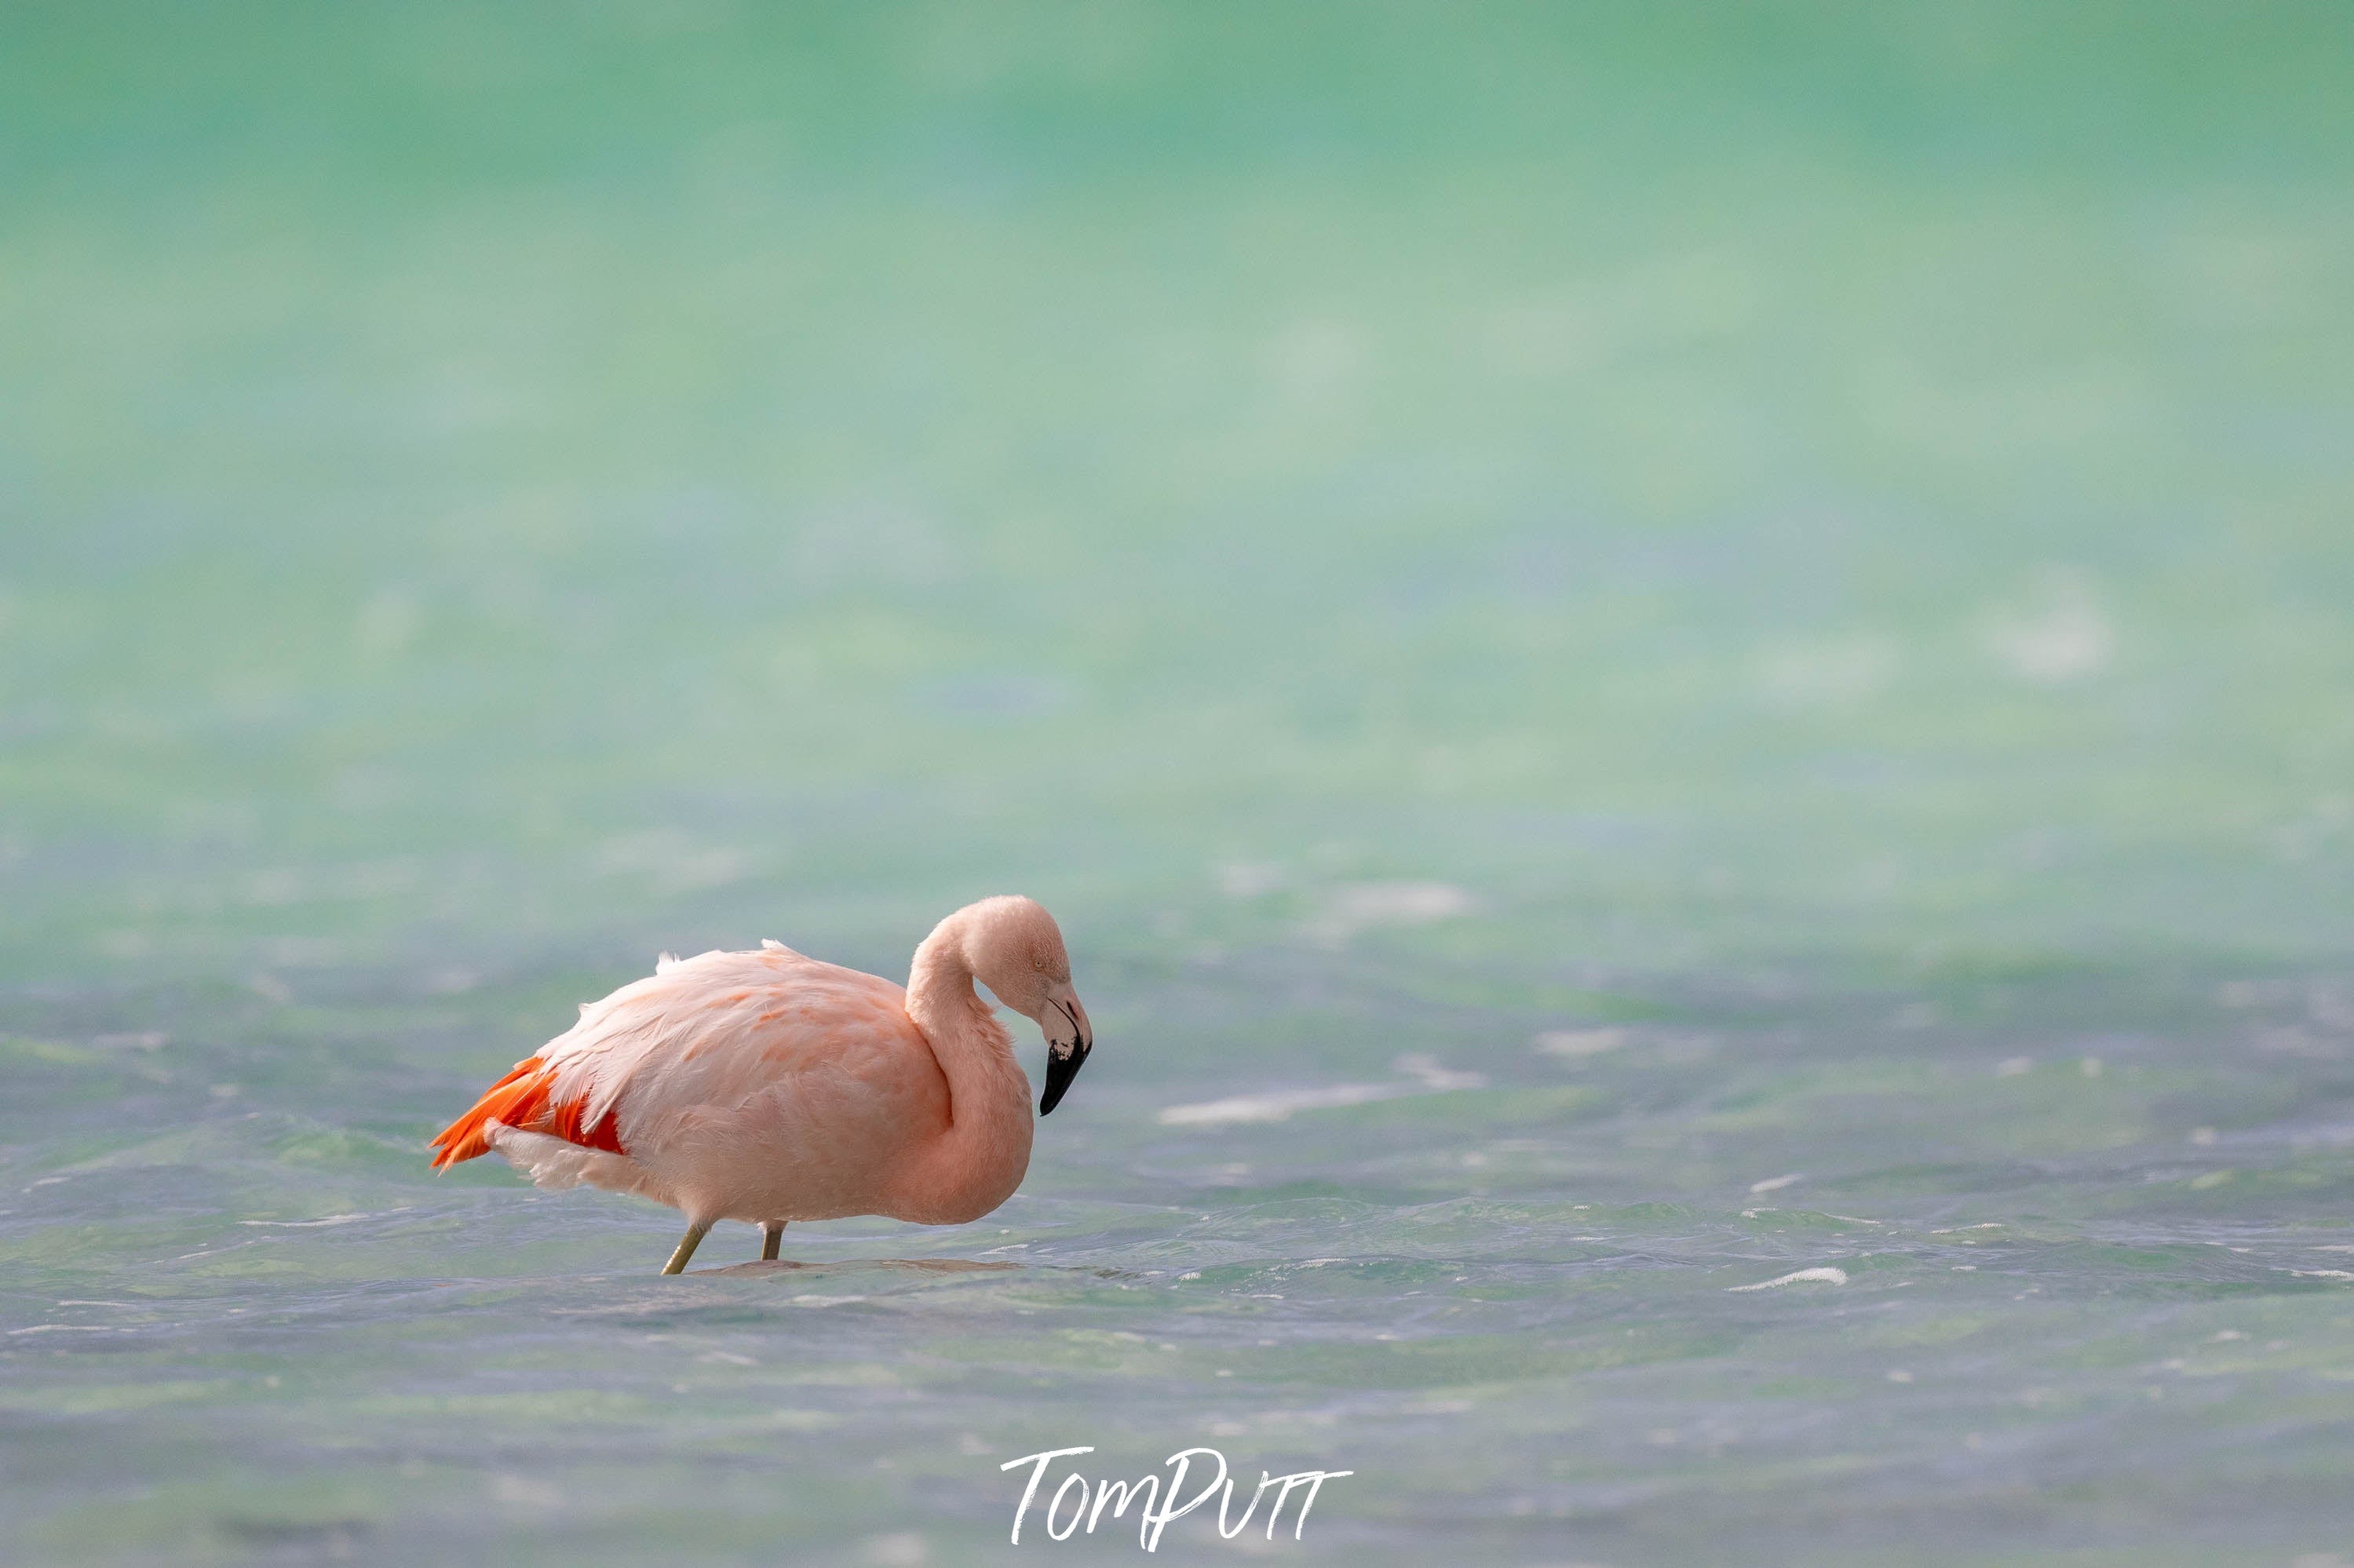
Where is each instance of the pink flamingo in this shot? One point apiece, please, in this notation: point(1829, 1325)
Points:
point(766, 1086)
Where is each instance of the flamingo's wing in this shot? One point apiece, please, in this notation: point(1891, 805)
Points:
point(524, 1098)
point(713, 1029)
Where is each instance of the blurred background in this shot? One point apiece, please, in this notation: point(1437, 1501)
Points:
point(1768, 582)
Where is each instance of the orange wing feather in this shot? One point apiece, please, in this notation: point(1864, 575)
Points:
point(521, 1099)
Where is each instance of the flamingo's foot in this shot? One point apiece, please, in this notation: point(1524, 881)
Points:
point(686, 1245)
point(772, 1238)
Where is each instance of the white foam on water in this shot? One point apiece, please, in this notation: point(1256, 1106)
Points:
point(305, 1225)
point(1573, 1043)
point(1277, 1105)
point(1803, 1276)
point(1776, 1183)
point(1361, 905)
point(1431, 1077)
point(2060, 635)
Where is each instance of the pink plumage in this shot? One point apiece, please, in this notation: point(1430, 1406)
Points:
point(768, 1087)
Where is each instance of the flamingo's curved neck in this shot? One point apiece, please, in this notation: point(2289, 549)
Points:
point(941, 1000)
point(985, 1150)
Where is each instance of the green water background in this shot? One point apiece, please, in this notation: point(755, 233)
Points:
point(1772, 581)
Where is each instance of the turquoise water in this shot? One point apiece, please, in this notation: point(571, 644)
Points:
point(1643, 649)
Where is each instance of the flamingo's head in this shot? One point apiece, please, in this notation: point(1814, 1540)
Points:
point(1016, 949)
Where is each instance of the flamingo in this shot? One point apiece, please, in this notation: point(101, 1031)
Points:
point(766, 1086)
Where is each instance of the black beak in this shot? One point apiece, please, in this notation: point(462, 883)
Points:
point(1062, 1063)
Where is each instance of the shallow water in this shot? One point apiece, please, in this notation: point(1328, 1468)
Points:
point(1645, 656)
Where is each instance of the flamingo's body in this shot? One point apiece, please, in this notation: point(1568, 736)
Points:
point(768, 1087)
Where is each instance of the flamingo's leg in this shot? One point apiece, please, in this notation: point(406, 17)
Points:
point(772, 1237)
point(687, 1244)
